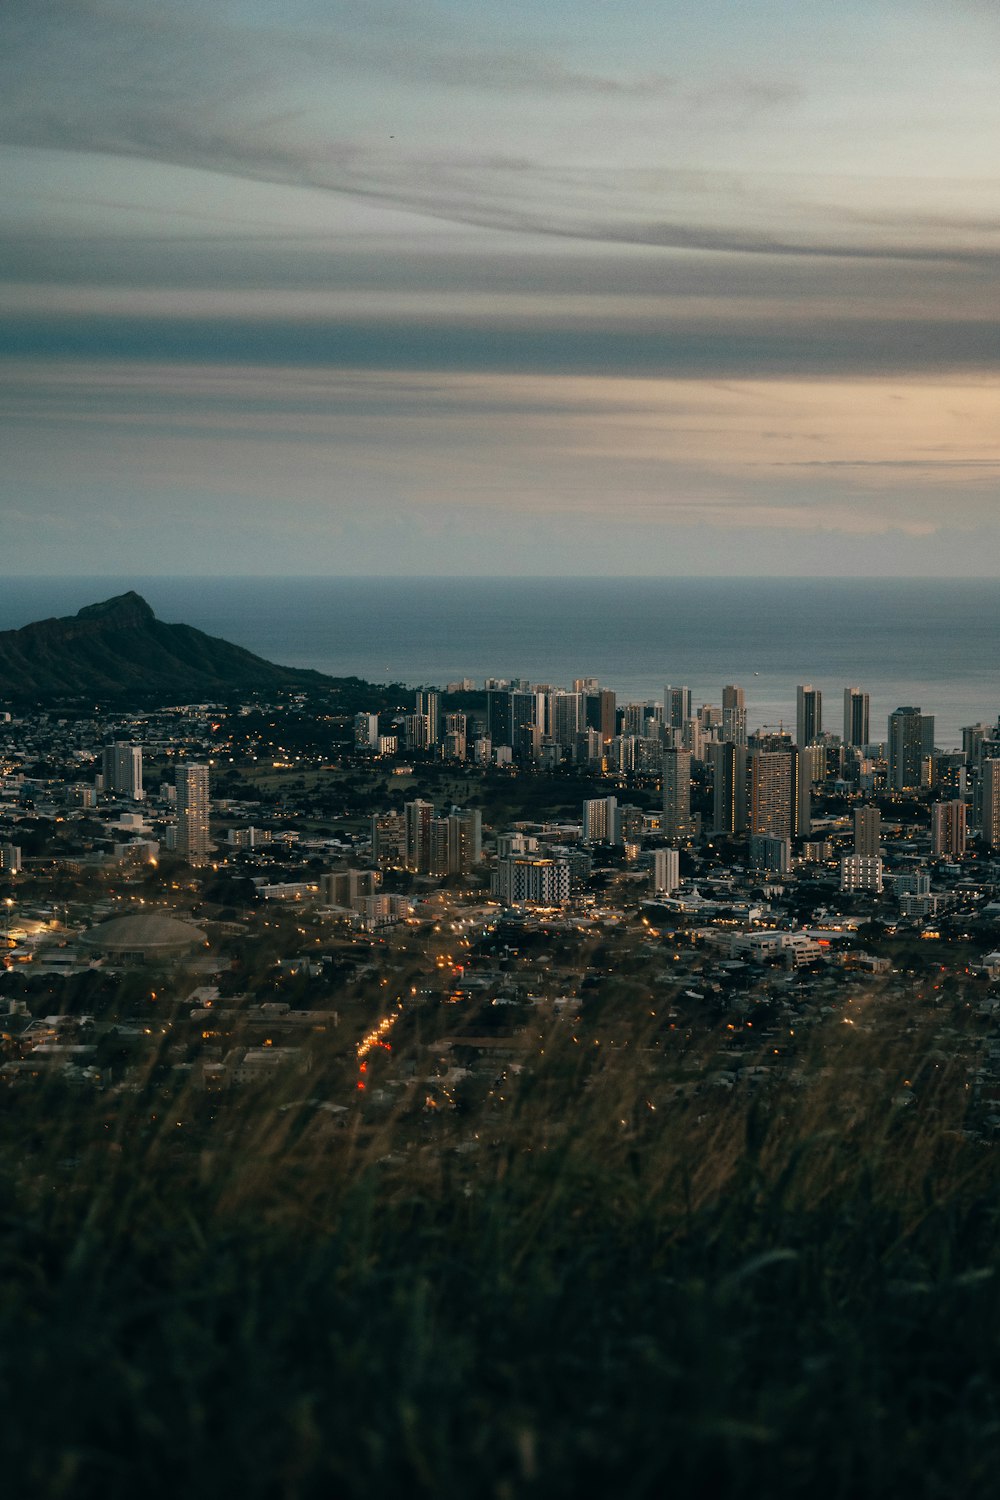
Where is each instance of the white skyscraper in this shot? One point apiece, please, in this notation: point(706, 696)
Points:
point(666, 872)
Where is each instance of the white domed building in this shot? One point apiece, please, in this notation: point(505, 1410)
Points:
point(144, 938)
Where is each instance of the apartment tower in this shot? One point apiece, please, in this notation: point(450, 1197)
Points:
point(192, 813)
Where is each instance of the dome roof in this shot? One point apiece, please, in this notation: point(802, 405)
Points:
point(146, 933)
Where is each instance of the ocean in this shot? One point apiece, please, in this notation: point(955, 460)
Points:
point(933, 643)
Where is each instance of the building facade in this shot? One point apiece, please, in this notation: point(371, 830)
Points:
point(948, 829)
point(906, 750)
point(734, 715)
point(867, 832)
point(778, 799)
point(677, 822)
point(121, 764)
point(193, 834)
point(808, 715)
point(531, 880)
point(856, 718)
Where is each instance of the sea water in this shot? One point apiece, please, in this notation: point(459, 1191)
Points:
point(932, 643)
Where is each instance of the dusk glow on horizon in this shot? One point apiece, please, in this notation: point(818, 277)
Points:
point(557, 289)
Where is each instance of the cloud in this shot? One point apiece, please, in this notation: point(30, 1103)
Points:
point(830, 520)
point(258, 456)
point(929, 464)
point(705, 347)
point(438, 266)
point(315, 106)
point(522, 70)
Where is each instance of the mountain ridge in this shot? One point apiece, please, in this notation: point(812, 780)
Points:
point(118, 648)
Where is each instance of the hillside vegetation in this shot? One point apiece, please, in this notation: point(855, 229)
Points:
point(786, 1293)
point(119, 649)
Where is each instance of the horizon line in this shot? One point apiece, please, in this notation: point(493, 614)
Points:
point(511, 577)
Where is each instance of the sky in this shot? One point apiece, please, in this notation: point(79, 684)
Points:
point(536, 288)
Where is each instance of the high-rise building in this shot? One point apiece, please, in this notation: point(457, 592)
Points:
point(348, 887)
point(465, 840)
point(990, 806)
point(428, 703)
point(366, 731)
point(531, 880)
point(729, 807)
point(948, 774)
point(980, 743)
point(677, 821)
point(906, 749)
point(416, 732)
point(566, 711)
point(691, 738)
point(528, 716)
point(676, 706)
point(499, 717)
point(856, 727)
point(122, 768)
point(927, 745)
point(623, 752)
point(813, 761)
point(867, 832)
point(629, 821)
point(948, 829)
point(589, 746)
point(389, 839)
point(734, 714)
point(600, 819)
point(779, 801)
point(192, 813)
point(634, 716)
point(601, 714)
point(974, 736)
point(861, 872)
point(666, 872)
point(418, 816)
point(808, 715)
point(770, 855)
point(437, 847)
point(455, 740)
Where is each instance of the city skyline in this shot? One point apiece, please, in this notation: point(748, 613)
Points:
point(554, 291)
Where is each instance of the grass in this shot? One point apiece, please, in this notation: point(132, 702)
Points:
point(781, 1294)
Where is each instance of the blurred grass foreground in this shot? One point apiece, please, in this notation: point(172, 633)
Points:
point(784, 1292)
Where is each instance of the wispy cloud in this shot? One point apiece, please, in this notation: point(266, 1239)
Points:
point(720, 274)
point(280, 105)
point(683, 347)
